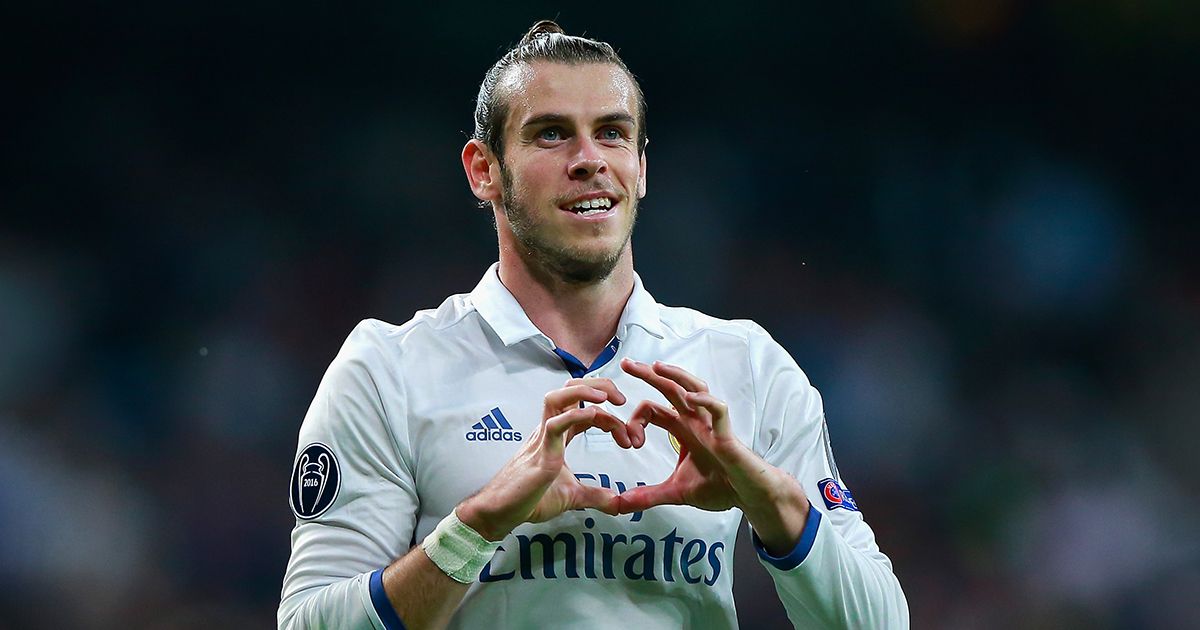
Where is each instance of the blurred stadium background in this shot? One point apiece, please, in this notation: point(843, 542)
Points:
point(974, 224)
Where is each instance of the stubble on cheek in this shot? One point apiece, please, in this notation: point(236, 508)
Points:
point(539, 248)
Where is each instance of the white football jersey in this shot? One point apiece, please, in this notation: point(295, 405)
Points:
point(410, 420)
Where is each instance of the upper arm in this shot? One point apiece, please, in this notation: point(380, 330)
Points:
point(358, 507)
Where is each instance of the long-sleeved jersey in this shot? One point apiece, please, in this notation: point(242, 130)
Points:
point(410, 420)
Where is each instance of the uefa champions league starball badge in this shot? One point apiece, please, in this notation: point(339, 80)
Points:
point(316, 480)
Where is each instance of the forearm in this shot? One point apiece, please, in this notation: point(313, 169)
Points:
point(823, 581)
point(819, 576)
point(422, 595)
point(777, 509)
point(412, 593)
point(425, 587)
point(343, 603)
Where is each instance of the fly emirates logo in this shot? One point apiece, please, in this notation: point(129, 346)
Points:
point(621, 553)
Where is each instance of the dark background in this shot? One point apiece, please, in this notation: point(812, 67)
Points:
point(972, 223)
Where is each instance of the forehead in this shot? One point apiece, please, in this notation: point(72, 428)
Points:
point(577, 91)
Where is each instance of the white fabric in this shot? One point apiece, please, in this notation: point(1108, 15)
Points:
point(396, 406)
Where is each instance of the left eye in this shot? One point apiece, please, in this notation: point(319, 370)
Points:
point(611, 134)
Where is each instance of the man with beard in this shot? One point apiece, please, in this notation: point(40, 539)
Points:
point(542, 504)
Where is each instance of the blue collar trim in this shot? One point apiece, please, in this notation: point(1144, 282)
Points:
point(576, 367)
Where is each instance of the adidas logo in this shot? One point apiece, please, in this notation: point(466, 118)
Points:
point(493, 427)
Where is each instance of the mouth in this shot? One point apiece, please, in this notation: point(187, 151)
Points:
point(592, 206)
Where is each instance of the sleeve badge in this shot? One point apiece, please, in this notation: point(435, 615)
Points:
point(316, 479)
point(835, 496)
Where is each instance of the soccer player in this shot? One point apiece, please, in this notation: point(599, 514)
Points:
point(556, 449)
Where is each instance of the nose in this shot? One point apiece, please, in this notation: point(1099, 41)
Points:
point(587, 162)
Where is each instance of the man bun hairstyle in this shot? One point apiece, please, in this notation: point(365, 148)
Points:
point(544, 41)
point(541, 27)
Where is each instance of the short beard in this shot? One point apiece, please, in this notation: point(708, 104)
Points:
point(572, 266)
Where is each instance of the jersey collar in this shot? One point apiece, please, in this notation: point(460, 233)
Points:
point(493, 301)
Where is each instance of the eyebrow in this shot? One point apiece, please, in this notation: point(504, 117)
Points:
point(541, 119)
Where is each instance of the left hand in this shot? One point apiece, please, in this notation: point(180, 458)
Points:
point(715, 470)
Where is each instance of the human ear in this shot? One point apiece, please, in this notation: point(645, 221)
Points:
point(478, 163)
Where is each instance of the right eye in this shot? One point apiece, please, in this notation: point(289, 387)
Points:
point(550, 134)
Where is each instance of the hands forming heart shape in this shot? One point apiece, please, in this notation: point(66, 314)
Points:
point(715, 470)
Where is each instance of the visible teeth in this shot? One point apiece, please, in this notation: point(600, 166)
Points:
point(601, 203)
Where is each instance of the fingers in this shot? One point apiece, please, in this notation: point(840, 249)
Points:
point(603, 384)
point(579, 390)
point(673, 391)
point(646, 497)
point(716, 408)
point(689, 381)
point(564, 398)
point(648, 412)
point(561, 428)
point(613, 425)
point(636, 430)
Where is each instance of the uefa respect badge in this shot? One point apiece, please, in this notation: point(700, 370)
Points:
point(316, 480)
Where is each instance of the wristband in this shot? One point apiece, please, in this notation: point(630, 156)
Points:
point(458, 550)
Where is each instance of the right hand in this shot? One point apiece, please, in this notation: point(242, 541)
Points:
point(536, 485)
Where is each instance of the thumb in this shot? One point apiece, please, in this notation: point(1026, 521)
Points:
point(646, 497)
point(601, 499)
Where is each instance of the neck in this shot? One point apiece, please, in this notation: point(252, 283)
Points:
point(580, 318)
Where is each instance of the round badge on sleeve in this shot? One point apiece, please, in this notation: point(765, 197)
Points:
point(316, 479)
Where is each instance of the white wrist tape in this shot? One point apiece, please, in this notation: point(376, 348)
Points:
point(458, 550)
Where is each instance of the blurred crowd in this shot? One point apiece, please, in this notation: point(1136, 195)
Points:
point(970, 223)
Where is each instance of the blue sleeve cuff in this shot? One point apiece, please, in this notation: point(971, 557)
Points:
point(383, 607)
point(800, 552)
